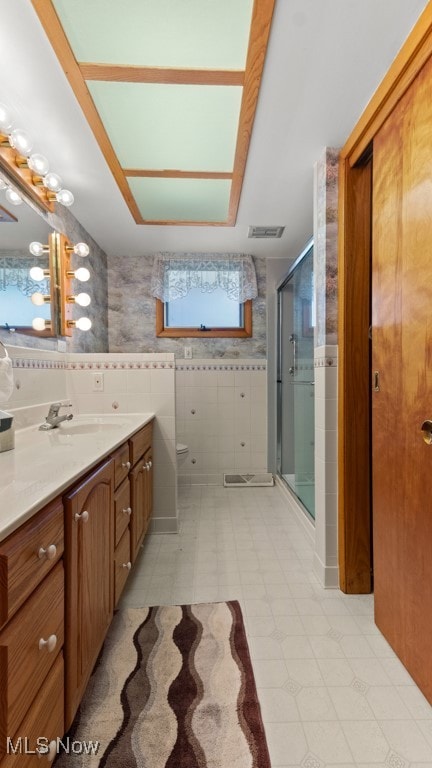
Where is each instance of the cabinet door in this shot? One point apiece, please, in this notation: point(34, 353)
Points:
point(89, 578)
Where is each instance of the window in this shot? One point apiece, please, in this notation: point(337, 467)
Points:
point(204, 295)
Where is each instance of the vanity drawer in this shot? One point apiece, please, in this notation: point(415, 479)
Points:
point(27, 556)
point(44, 720)
point(122, 510)
point(140, 442)
point(122, 464)
point(121, 562)
point(24, 665)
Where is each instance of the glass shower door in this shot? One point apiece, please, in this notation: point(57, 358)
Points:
point(296, 413)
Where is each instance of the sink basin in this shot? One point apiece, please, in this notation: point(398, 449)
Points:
point(90, 425)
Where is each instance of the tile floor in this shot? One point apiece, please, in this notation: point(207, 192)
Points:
point(332, 692)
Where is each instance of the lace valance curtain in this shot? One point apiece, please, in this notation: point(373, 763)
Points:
point(174, 275)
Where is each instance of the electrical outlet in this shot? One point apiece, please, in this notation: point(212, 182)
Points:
point(188, 353)
point(98, 382)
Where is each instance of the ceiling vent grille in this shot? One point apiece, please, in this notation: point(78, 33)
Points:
point(265, 232)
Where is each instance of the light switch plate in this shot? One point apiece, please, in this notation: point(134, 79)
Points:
point(188, 353)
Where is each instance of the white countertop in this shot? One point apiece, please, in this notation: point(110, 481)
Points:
point(43, 464)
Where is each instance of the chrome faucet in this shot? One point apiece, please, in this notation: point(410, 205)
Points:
point(53, 419)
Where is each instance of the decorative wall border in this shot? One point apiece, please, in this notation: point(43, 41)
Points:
point(133, 365)
point(220, 367)
point(326, 362)
point(128, 365)
point(33, 363)
point(118, 365)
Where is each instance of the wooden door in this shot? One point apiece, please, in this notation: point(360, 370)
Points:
point(402, 354)
point(89, 557)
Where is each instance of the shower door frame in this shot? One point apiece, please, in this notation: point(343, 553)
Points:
point(279, 288)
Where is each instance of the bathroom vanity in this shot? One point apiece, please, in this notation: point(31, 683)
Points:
point(68, 543)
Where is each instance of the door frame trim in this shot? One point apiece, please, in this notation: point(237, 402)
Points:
point(354, 476)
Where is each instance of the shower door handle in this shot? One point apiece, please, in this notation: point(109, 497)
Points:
point(291, 370)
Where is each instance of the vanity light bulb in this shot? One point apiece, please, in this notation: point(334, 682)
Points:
point(37, 249)
point(5, 119)
point(38, 299)
point(13, 197)
point(39, 164)
point(37, 273)
point(21, 141)
point(52, 182)
point(39, 324)
point(81, 249)
point(83, 299)
point(83, 323)
point(82, 274)
point(65, 197)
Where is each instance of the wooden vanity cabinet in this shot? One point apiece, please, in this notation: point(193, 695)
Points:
point(32, 637)
point(89, 519)
point(61, 574)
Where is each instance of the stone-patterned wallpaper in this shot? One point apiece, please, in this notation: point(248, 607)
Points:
point(96, 339)
point(132, 320)
point(325, 252)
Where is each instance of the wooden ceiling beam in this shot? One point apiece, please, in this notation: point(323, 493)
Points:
point(166, 75)
point(172, 174)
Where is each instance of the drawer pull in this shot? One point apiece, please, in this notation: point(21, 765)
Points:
point(49, 552)
point(49, 644)
point(150, 464)
point(126, 464)
point(84, 516)
point(127, 511)
point(127, 565)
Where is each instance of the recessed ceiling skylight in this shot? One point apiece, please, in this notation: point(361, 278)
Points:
point(170, 90)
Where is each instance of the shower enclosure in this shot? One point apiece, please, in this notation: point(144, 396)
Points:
point(295, 380)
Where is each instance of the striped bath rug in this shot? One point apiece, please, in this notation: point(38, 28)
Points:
point(174, 688)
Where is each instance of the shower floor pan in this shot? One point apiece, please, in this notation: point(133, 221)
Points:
point(248, 481)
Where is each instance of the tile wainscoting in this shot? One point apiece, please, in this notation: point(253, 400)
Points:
point(135, 383)
point(326, 553)
point(221, 414)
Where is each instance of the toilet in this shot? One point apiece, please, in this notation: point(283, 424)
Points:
point(181, 451)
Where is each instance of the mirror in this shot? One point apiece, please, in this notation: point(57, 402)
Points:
point(19, 226)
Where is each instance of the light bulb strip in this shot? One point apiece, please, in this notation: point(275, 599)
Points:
point(16, 166)
point(22, 177)
point(61, 296)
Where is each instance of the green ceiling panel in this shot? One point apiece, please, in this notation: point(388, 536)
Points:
point(181, 127)
point(181, 199)
point(158, 33)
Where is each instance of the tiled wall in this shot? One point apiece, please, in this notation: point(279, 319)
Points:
point(39, 379)
point(132, 318)
point(326, 559)
point(222, 416)
point(135, 383)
